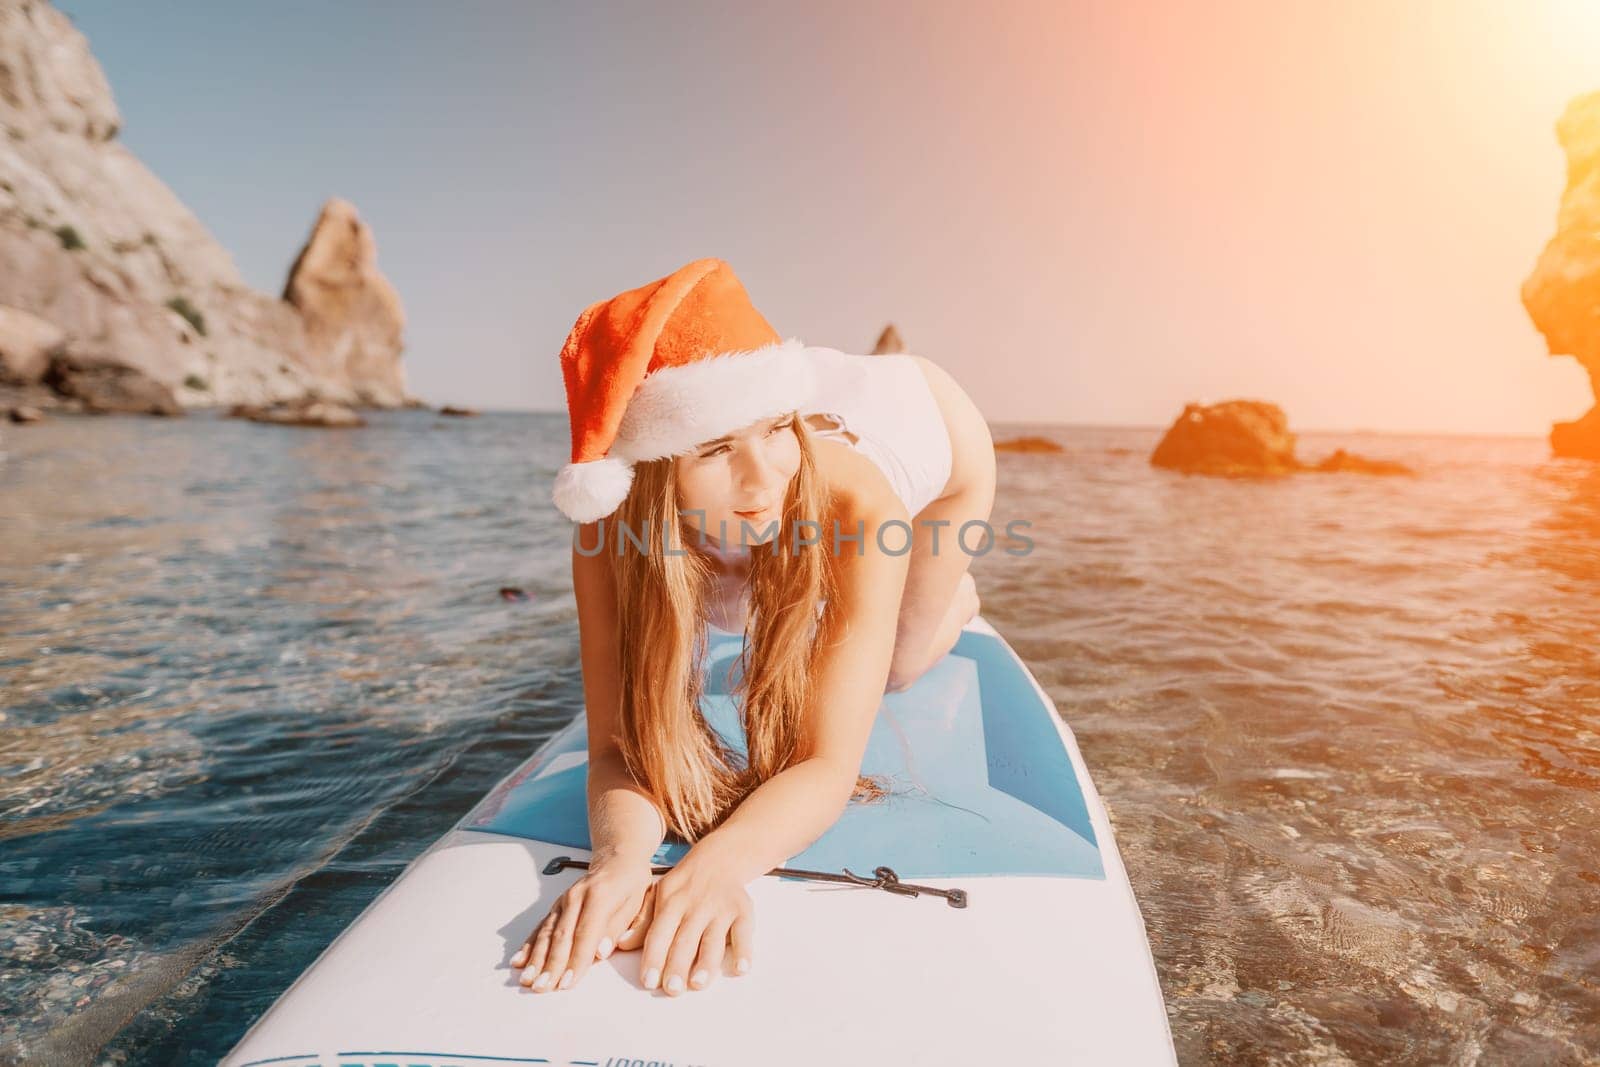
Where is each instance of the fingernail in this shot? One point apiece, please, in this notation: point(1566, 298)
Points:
point(698, 979)
point(527, 976)
point(675, 983)
point(566, 980)
point(651, 977)
point(542, 981)
point(742, 966)
point(605, 947)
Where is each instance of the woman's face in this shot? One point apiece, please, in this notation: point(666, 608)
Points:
point(741, 478)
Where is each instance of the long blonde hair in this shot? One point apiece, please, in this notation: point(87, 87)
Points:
point(662, 597)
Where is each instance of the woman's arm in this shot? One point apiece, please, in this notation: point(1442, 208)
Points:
point(595, 914)
point(702, 899)
point(624, 823)
point(793, 808)
point(780, 818)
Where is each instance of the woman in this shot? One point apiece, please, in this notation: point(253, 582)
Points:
point(722, 477)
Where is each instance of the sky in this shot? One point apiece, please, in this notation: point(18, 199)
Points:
point(1088, 213)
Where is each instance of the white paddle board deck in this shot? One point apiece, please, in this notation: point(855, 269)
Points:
point(1047, 962)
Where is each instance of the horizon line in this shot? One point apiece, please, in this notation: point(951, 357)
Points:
point(1364, 431)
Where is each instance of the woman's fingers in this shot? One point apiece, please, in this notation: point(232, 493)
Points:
point(713, 945)
point(633, 935)
point(685, 946)
point(555, 969)
point(741, 942)
point(534, 951)
point(584, 925)
point(683, 949)
point(591, 937)
point(657, 941)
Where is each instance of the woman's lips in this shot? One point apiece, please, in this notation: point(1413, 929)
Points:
point(756, 514)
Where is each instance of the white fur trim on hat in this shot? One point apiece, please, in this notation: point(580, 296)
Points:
point(678, 407)
point(588, 492)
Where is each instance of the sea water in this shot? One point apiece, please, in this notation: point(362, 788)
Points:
point(1347, 727)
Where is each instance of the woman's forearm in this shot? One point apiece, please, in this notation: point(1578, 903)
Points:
point(623, 821)
point(780, 818)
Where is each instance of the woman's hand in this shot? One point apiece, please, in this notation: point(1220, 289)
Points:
point(695, 910)
point(603, 910)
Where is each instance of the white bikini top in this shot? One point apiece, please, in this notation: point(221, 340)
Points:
point(883, 407)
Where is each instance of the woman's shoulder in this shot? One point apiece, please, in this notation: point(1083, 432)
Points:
point(854, 486)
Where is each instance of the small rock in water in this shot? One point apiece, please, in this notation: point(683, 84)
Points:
point(1028, 444)
point(303, 413)
point(1346, 462)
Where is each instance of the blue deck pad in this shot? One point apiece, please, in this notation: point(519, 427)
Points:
point(980, 781)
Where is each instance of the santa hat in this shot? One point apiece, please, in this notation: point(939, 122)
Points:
point(657, 370)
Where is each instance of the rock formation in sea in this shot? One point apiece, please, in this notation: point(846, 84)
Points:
point(1247, 438)
point(352, 315)
point(1562, 295)
point(1027, 443)
point(1233, 437)
point(102, 266)
point(889, 342)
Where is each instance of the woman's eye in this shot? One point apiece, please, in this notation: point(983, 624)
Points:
point(720, 449)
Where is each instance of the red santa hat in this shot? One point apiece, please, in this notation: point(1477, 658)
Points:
point(657, 370)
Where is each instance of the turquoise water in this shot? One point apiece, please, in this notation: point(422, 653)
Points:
point(1347, 728)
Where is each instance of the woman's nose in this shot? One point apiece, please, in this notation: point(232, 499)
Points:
point(752, 472)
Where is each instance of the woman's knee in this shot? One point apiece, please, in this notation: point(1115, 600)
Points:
point(908, 665)
point(967, 597)
point(902, 675)
point(902, 678)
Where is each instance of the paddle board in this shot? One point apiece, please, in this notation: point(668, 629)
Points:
point(1046, 961)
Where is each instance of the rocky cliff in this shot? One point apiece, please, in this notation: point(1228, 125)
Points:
point(95, 246)
point(1562, 295)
